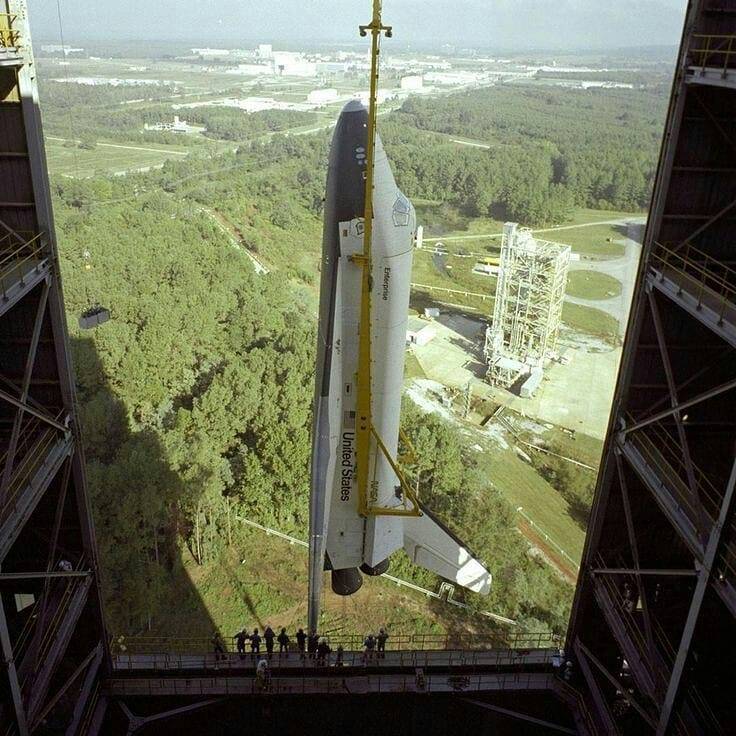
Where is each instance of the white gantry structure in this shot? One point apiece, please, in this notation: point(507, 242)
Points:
point(527, 311)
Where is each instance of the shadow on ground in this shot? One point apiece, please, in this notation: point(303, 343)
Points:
point(134, 495)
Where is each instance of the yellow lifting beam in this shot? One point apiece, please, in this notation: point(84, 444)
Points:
point(364, 426)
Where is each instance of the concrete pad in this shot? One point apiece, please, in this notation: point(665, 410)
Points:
point(576, 396)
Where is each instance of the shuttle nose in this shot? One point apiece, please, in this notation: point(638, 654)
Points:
point(354, 106)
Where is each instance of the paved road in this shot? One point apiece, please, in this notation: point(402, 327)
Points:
point(167, 151)
point(622, 269)
point(481, 236)
point(470, 143)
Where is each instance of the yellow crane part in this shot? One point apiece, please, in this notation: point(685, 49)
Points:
point(364, 425)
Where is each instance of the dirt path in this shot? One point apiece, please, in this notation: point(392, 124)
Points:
point(235, 237)
point(556, 560)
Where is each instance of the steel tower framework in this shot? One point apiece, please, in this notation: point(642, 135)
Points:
point(528, 306)
point(51, 628)
point(652, 631)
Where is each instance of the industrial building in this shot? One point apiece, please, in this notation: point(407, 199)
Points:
point(412, 83)
point(419, 331)
point(652, 634)
point(522, 337)
point(175, 126)
point(264, 51)
point(322, 96)
point(292, 64)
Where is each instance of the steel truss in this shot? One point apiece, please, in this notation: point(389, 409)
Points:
point(658, 581)
point(51, 628)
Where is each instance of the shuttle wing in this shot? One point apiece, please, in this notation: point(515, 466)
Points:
point(431, 545)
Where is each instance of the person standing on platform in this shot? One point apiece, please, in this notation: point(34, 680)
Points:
point(255, 642)
point(269, 636)
point(312, 643)
point(218, 644)
point(381, 643)
point(370, 647)
point(240, 638)
point(263, 675)
point(283, 640)
point(301, 642)
point(323, 651)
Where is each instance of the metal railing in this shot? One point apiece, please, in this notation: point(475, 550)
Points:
point(713, 51)
point(35, 443)
point(197, 646)
point(662, 453)
point(693, 695)
point(660, 662)
point(18, 260)
point(576, 699)
point(332, 683)
point(711, 282)
point(60, 593)
point(9, 36)
point(659, 450)
point(350, 660)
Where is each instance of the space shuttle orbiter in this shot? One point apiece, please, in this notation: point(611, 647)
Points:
point(349, 534)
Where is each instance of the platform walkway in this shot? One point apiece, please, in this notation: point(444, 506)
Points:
point(352, 660)
point(397, 671)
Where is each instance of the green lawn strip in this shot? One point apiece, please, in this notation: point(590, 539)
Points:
point(413, 368)
point(523, 486)
point(590, 321)
point(595, 241)
point(75, 161)
point(592, 285)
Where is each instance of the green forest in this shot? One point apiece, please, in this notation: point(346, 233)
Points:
point(196, 396)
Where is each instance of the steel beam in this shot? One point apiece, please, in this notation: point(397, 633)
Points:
point(24, 406)
point(633, 571)
point(25, 385)
point(693, 615)
point(69, 682)
point(31, 495)
point(90, 680)
point(616, 683)
point(664, 497)
point(642, 668)
point(623, 486)
point(58, 648)
point(8, 576)
point(547, 725)
point(699, 399)
point(12, 674)
point(98, 718)
point(602, 710)
point(674, 402)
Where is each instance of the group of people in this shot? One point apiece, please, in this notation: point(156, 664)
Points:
point(312, 645)
point(269, 638)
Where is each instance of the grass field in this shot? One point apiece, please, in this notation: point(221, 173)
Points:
point(412, 367)
point(597, 242)
point(260, 581)
point(592, 285)
point(483, 234)
point(590, 321)
point(522, 485)
point(109, 158)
